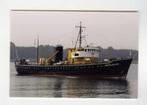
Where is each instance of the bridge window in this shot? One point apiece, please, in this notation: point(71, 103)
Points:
point(80, 50)
point(92, 50)
point(76, 54)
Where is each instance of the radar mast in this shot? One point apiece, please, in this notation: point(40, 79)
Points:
point(79, 38)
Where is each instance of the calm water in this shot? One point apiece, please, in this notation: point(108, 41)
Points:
point(37, 86)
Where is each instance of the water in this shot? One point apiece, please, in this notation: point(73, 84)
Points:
point(39, 86)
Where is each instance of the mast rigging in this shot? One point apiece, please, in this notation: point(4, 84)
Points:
point(79, 38)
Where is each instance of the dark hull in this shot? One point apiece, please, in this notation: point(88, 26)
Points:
point(113, 69)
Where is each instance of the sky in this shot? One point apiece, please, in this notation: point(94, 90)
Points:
point(116, 29)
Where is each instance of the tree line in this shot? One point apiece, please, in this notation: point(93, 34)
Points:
point(47, 50)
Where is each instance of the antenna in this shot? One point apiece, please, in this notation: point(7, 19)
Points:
point(84, 38)
point(37, 57)
point(72, 42)
point(79, 38)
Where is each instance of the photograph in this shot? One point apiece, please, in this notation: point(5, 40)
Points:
point(74, 53)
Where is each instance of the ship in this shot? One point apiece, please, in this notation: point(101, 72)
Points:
point(80, 62)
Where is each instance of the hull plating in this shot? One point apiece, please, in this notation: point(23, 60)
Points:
point(114, 69)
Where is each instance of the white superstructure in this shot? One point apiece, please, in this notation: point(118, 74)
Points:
point(87, 52)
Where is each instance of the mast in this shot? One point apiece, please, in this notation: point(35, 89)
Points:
point(37, 57)
point(80, 32)
point(80, 35)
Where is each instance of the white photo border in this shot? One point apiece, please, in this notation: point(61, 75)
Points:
point(122, 5)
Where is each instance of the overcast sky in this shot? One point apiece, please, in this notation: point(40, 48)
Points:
point(116, 29)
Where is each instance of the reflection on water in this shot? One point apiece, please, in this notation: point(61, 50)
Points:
point(37, 86)
point(57, 88)
point(70, 87)
point(91, 88)
point(96, 88)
